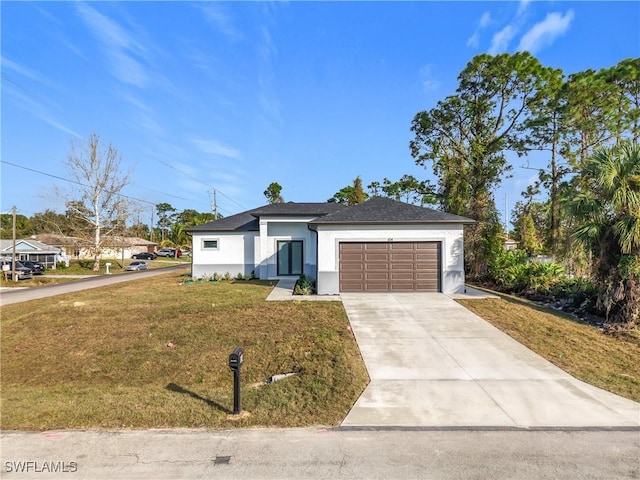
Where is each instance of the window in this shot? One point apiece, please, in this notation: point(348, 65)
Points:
point(290, 257)
point(211, 244)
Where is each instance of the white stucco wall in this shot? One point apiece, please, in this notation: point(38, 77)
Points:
point(235, 254)
point(450, 236)
point(284, 228)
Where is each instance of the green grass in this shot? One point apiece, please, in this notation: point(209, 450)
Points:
point(99, 358)
point(611, 362)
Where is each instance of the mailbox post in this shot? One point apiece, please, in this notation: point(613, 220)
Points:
point(235, 362)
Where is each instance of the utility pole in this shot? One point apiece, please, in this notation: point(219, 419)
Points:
point(506, 215)
point(151, 229)
point(214, 205)
point(14, 275)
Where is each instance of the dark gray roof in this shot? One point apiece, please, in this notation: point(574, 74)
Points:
point(375, 210)
point(248, 221)
point(380, 210)
point(241, 222)
point(297, 209)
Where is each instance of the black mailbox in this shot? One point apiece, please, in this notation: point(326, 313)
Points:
point(235, 362)
point(236, 358)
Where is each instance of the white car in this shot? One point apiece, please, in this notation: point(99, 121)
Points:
point(135, 266)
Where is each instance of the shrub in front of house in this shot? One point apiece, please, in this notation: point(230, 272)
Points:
point(304, 286)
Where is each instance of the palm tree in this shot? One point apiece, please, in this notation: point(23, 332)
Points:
point(606, 208)
point(178, 237)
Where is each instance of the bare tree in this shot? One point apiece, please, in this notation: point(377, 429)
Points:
point(95, 203)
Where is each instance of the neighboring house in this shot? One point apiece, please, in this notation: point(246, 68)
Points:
point(510, 244)
point(113, 246)
point(28, 249)
point(376, 246)
point(117, 247)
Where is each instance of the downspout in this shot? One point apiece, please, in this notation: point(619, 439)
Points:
point(314, 230)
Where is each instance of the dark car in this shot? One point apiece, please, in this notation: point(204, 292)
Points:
point(22, 272)
point(36, 267)
point(144, 256)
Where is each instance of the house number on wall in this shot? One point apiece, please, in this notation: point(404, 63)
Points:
point(389, 239)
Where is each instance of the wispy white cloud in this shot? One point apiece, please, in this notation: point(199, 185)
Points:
point(429, 83)
point(216, 15)
point(144, 116)
point(474, 40)
point(270, 104)
point(522, 6)
point(485, 20)
point(500, 41)
point(38, 110)
point(543, 33)
point(119, 46)
point(214, 147)
point(24, 71)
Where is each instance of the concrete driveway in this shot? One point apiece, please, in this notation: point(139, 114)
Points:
point(433, 363)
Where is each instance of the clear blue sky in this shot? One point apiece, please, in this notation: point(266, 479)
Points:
point(234, 96)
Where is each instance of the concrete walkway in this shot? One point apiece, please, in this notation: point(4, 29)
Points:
point(433, 363)
point(283, 292)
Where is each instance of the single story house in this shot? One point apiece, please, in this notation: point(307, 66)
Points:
point(510, 244)
point(112, 246)
point(381, 245)
point(28, 249)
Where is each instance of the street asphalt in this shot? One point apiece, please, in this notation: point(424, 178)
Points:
point(17, 295)
point(318, 453)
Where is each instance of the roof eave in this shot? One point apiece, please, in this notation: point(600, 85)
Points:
point(382, 222)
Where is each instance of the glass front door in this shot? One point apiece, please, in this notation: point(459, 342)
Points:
point(289, 257)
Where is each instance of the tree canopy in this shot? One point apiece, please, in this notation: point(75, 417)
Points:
point(273, 193)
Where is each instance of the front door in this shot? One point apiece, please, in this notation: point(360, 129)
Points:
point(289, 257)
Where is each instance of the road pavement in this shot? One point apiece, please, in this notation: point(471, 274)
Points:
point(9, 296)
point(320, 453)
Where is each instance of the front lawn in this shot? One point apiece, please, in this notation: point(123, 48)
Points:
point(153, 353)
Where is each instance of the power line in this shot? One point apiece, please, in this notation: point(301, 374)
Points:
point(73, 181)
point(229, 198)
point(119, 194)
point(161, 193)
point(200, 182)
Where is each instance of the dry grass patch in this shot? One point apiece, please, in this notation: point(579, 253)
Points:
point(611, 362)
point(100, 358)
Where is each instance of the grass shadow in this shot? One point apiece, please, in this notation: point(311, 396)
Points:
point(178, 389)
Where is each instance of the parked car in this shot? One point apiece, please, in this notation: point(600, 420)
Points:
point(22, 272)
point(168, 252)
point(144, 256)
point(135, 266)
point(36, 267)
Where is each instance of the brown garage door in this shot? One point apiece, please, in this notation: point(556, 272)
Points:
point(390, 267)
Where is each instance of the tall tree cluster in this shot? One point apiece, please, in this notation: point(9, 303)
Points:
point(466, 136)
point(512, 103)
point(585, 124)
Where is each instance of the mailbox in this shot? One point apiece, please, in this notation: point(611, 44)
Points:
point(236, 358)
point(235, 362)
